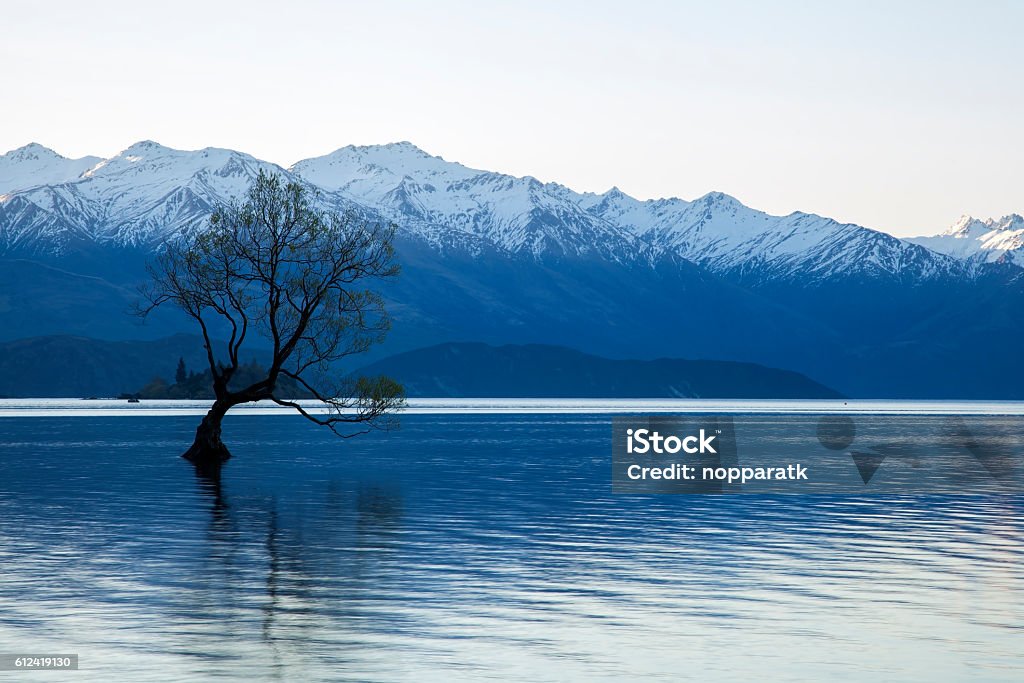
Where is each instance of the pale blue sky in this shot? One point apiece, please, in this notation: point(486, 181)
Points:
point(896, 115)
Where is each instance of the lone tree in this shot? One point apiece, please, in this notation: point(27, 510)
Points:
point(279, 268)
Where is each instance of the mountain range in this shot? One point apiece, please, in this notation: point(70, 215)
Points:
point(69, 366)
point(474, 370)
point(494, 258)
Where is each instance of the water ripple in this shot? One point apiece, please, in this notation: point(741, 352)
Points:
point(480, 547)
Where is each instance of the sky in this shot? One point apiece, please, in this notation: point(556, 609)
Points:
point(900, 116)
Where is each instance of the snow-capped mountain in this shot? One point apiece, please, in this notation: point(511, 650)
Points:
point(722, 234)
point(517, 215)
point(148, 192)
point(985, 241)
point(136, 198)
point(523, 214)
point(34, 164)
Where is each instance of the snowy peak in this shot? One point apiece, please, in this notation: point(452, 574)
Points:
point(147, 172)
point(719, 232)
point(137, 197)
point(34, 165)
point(398, 158)
point(372, 171)
point(33, 151)
point(719, 200)
point(984, 241)
point(964, 227)
point(519, 215)
point(150, 161)
point(1013, 222)
point(968, 227)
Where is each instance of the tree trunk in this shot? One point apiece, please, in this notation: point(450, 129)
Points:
point(208, 449)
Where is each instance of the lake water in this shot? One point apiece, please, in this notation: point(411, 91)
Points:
point(481, 541)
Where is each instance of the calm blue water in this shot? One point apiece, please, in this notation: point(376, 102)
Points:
point(476, 547)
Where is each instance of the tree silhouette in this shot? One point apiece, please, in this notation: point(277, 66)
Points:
point(279, 268)
point(181, 374)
